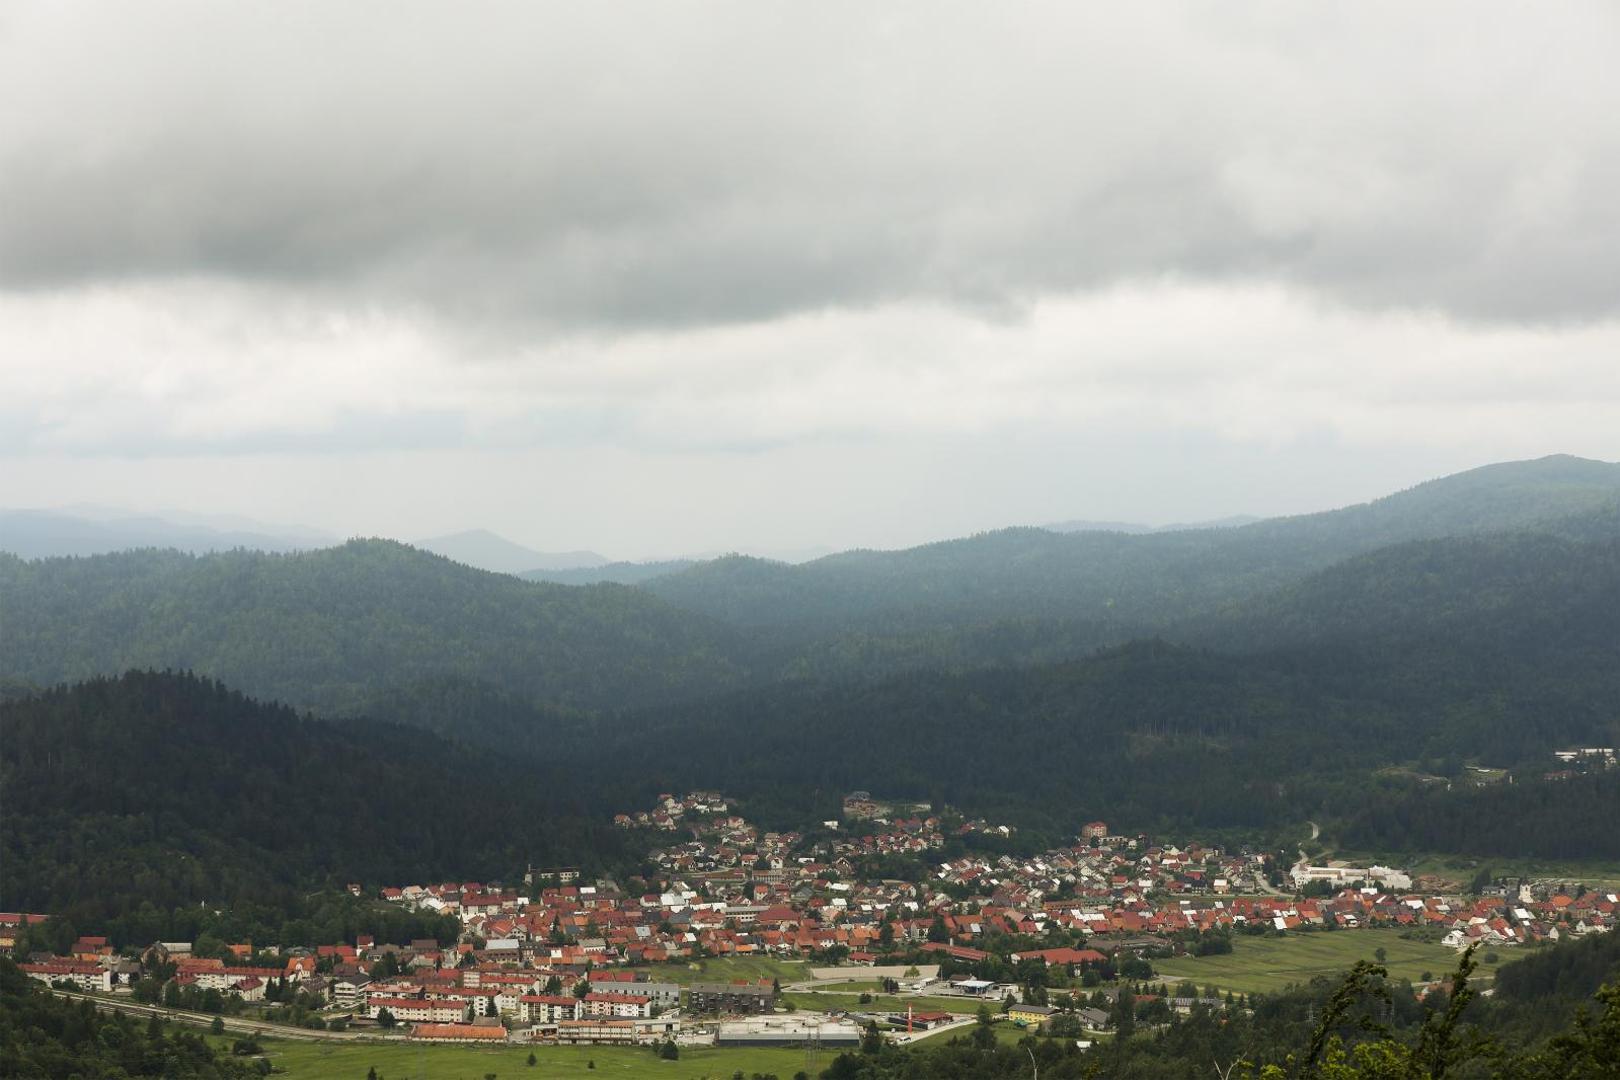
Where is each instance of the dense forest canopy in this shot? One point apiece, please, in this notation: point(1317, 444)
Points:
point(328, 629)
point(164, 790)
point(1219, 679)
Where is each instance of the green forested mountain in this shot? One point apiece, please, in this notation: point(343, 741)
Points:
point(1546, 584)
point(331, 629)
point(1241, 677)
point(1493, 649)
point(341, 628)
point(1117, 584)
point(39, 534)
point(166, 790)
point(1512, 625)
point(1550, 819)
point(485, 550)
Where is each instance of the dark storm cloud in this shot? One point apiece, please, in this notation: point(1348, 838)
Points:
point(609, 166)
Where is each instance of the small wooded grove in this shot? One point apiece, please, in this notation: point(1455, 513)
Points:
point(44, 1037)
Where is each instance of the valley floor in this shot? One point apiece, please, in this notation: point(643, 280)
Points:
point(1267, 964)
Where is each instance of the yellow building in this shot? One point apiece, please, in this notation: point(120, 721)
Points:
point(1030, 1015)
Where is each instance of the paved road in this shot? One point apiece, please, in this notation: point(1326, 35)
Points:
point(1304, 859)
point(235, 1025)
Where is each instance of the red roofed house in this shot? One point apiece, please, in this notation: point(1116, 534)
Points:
point(615, 1006)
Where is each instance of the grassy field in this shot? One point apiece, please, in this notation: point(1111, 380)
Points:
point(727, 968)
point(1463, 868)
point(1264, 964)
point(822, 1002)
point(342, 1061)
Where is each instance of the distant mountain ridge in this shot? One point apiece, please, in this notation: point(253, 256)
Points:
point(1136, 528)
point(1135, 582)
point(43, 534)
point(330, 629)
point(1235, 677)
point(484, 550)
point(343, 629)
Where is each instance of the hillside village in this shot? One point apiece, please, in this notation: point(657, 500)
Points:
point(562, 960)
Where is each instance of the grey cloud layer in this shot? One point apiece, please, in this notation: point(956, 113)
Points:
point(603, 167)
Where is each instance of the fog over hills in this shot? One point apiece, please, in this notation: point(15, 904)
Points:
point(40, 534)
point(486, 551)
point(335, 627)
point(1082, 525)
point(1130, 581)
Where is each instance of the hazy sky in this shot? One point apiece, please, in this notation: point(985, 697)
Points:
point(662, 277)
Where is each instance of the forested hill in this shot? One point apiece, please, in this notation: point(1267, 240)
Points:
point(167, 789)
point(1121, 584)
point(1468, 616)
point(331, 629)
point(345, 628)
point(1424, 656)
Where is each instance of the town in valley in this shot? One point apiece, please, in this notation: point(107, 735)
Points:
point(1070, 940)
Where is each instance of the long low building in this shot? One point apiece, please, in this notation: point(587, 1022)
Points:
point(1341, 876)
point(788, 1031)
point(643, 1030)
point(596, 1031)
point(466, 1033)
point(409, 1009)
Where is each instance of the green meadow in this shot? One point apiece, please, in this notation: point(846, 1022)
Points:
point(727, 968)
point(1266, 964)
point(404, 1061)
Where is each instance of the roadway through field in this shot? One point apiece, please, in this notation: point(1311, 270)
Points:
point(234, 1025)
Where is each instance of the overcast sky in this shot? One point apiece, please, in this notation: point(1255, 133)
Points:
point(663, 277)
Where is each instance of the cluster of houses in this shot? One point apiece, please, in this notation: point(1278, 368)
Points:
point(556, 959)
point(861, 806)
point(732, 890)
point(1582, 759)
point(529, 985)
point(1103, 866)
point(669, 811)
point(491, 995)
point(458, 993)
point(1135, 891)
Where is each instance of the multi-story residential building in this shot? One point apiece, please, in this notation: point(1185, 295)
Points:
point(732, 997)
